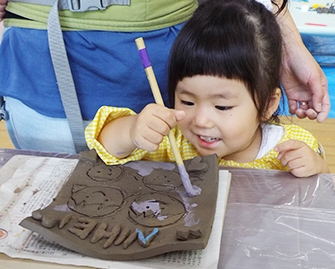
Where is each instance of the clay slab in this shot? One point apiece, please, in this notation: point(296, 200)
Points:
point(133, 211)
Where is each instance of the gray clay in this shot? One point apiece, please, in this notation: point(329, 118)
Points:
point(115, 213)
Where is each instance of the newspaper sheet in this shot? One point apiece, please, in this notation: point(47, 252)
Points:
point(29, 183)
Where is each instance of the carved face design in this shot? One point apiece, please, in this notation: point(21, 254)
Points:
point(105, 173)
point(163, 180)
point(156, 210)
point(95, 201)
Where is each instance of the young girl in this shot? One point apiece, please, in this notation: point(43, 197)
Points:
point(224, 84)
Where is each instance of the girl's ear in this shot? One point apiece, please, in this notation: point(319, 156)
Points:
point(274, 103)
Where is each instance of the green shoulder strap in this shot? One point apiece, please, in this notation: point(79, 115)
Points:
point(77, 5)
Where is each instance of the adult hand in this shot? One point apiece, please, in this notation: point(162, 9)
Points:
point(3, 4)
point(305, 84)
point(303, 80)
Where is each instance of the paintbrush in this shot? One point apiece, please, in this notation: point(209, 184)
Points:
point(191, 190)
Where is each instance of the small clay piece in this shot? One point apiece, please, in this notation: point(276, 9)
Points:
point(83, 227)
point(146, 240)
point(112, 235)
point(49, 221)
point(196, 166)
point(129, 240)
point(133, 211)
point(99, 233)
point(122, 237)
point(188, 234)
point(37, 215)
point(65, 220)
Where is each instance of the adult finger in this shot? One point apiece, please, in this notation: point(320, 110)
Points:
point(293, 106)
point(325, 108)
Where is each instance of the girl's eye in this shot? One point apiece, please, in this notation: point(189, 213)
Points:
point(223, 108)
point(187, 103)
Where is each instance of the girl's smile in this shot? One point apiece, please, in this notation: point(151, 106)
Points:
point(220, 117)
point(208, 142)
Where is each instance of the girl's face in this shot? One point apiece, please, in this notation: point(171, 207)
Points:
point(221, 117)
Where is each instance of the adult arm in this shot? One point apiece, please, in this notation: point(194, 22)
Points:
point(3, 4)
point(302, 78)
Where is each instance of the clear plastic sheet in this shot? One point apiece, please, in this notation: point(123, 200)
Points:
point(6, 154)
point(275, 220)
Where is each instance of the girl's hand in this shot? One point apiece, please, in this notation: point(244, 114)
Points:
point(152, 124)
point(300, 159)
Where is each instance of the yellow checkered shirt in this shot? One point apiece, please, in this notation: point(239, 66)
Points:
point(187, 150)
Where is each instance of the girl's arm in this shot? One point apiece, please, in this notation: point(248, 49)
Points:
point(302, 77)
point(302, 160)
point(120, 137)
point(115, 137)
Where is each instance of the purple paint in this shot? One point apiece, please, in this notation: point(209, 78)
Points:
point(144, 58)
point(190, 218)
point(150, 205)
point(190, 190)
point(61, 208)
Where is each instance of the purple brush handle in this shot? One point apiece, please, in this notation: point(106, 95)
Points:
point(144, 58)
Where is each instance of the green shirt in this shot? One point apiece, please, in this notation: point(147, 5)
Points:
point(141, 15)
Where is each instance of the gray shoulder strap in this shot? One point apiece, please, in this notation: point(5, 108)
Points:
point(65, 80)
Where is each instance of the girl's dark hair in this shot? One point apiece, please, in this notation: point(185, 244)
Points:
point(235, 39)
